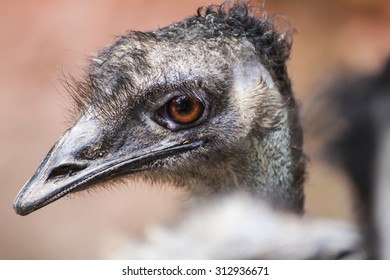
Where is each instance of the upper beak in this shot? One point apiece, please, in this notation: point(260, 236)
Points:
point(65, 169)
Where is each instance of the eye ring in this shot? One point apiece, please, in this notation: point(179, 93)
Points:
point(184, 109)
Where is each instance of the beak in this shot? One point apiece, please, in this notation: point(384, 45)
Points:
point(66, 169)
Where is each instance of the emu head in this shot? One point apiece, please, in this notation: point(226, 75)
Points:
point(204, 103)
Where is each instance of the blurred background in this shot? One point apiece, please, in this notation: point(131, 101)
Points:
point(40, 40)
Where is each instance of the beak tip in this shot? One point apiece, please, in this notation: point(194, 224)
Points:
point(22, 211)
point(21, 208)
point(18, 209)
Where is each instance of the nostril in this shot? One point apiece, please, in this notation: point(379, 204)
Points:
point(65, 170)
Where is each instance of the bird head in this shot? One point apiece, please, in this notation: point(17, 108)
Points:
point(193, 104)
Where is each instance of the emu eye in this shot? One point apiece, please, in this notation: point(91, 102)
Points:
point(184, 109)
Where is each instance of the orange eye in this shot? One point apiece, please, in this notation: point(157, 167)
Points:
point(184, 109)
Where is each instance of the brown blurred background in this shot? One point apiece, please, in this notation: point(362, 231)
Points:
point(39, 40)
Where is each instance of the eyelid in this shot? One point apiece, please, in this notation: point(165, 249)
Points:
point(158, 99)
point(169, 88)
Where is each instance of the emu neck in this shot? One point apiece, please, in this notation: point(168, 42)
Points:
point(269, 173)
point(262, 166)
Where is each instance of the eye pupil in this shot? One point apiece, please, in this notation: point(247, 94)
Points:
point(184, 109)
point(182, 105)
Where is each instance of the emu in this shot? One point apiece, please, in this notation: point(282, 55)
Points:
point(205, 104)
point(361, 147)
